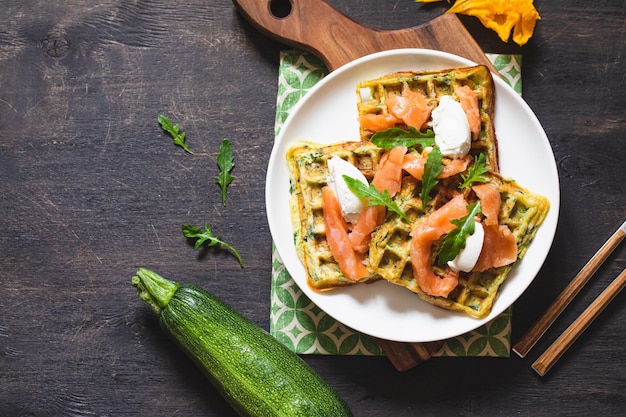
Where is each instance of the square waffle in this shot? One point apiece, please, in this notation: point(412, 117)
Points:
point(372, 97)
point(521, 210)
point(308, 170)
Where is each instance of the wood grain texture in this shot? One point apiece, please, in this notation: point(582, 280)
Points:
point(318, 27)
point(91, 189)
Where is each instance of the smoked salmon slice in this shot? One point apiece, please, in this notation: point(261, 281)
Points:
point(337, 237)
point(499, 248)
point(370, 218)
point(490, 201)
point(414, 165)
point(378, 122)
point(389, 173)
point(469, 103)
point(412, 107)
point(388, 177)
point(423, 236)
point(499, 245)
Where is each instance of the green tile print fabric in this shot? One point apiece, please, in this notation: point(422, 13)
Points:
point(299, 323)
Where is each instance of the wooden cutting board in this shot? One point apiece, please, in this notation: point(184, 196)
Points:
point(319, 28)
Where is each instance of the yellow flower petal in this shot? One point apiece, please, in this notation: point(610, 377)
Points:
point(524, 30)
point(502, 16)
point(502, 24)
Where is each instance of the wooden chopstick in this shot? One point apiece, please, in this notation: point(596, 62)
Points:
point(523, 346)
point(543, 364)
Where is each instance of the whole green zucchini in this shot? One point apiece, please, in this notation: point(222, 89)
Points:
point(255, 373)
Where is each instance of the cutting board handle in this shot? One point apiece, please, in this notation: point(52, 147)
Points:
point(317, 27)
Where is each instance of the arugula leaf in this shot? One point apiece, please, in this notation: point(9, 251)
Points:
point(207, 236)
point(394, 136)
point(455, 240)
point(226, 163)
point(475, 172)
point(174, 132)
point(432, 169)
point(373, 196)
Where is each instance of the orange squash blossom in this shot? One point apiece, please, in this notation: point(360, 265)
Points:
point(501, 16)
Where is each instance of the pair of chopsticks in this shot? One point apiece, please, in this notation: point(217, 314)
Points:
point(543, 364)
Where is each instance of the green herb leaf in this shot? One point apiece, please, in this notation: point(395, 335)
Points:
point(432, 169)
point(174, 132)
point(207, 237)
point(390, 138)
point(373, 196)
point(226, 163)
point(455, 240)
point(475, 172)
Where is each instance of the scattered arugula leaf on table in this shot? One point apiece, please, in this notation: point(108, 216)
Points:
point(226, 163)
point(455, 240)
point(174, 132)
point(475, 172)
point(390, 138)
point(432, 169)
point(374, 197)
point(207, 236)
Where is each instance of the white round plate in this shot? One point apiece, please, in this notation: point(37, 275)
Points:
point(328, 114)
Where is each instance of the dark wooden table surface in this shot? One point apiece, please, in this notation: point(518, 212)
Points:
point(91, 189)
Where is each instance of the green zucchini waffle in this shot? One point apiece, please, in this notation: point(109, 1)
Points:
point(521, 211)
point(308, 170)
point(372, 96)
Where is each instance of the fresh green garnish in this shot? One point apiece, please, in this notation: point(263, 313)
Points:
point(432, 169)
point(226, 163)
point(475, 172)
point(207, 236)
point(390, 138)
point(174, 132)
point(373, 196)
point(455, 240)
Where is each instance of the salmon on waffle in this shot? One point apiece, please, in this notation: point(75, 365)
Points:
point(408, 98)
point(406, 255)
point(309, 172)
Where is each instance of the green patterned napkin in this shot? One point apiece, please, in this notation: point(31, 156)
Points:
point(294, 319)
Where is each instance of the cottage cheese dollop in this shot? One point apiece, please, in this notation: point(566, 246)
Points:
point(351, 204)
point(452, 130)
point(468, 256)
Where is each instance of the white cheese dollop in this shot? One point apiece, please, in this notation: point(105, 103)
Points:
point(468, 256)
point(351, 204)
point(452, 131)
